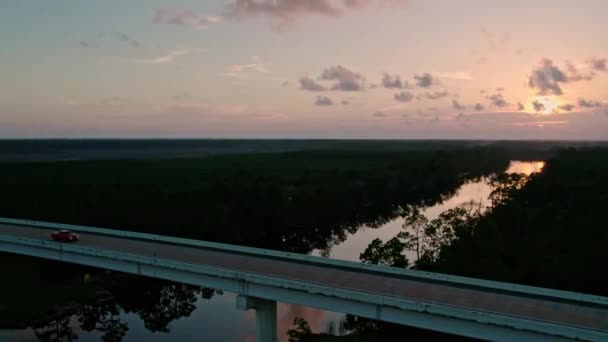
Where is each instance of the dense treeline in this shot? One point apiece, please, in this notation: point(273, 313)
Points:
point(551, 233)
point(95, 149)
point(548, 229)
point(296, 201)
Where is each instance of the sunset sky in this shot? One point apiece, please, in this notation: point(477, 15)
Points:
point(474, 69)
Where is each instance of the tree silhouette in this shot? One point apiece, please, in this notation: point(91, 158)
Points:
point(301, 332)
point(160, 303)
point(386, 254)
point(57, 331)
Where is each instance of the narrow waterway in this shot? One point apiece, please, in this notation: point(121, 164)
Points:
point(477, 191)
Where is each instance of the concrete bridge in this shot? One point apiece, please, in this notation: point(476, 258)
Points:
point(462, 306)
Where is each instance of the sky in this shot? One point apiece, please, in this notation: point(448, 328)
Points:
point(377, 69)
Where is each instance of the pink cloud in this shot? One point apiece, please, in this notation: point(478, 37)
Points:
point(286, 11)
point(184, 17)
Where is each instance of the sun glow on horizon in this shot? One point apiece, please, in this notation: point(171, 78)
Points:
point(543, 104)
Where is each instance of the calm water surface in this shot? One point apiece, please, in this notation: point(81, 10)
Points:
point(216, 319)
point(472, 191)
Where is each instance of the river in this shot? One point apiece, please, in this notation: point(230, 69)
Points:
point(216, 319)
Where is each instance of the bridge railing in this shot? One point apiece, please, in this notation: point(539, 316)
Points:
point(274, 288)
point(500, 287)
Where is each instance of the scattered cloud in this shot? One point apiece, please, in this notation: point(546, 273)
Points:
point(112, 101)
point(597, 64)
point(478, 107)
point(491, 45)
point(493, 40)
point(323, 101)
point(496, 90)
point(497, 100)
point(538, 106)
point(404, 96)
point(122, 36)
point(573, 74)
point(346, 79)
point(566, 107)
point(184, 17)
point(355, 3)
point(379, 114)
point(390, 82)
point(171, 56)
point(588, 103)
point(101, 37)
point(425, 80)
point(255, 65)
point(546, 78)
point(437, 95)
point(456, 105)
point(307, 83)
point(182, 96)
point(285, 12)
point(125, 38)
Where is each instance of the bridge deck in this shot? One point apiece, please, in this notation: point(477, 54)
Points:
point(560, 312)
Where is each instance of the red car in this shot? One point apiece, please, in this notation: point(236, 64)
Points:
point(64, 236)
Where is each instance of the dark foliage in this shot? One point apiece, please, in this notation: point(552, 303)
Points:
point(551, 233)
point(296, 201)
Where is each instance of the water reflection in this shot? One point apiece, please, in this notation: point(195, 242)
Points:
point(135, 301)
point(526, 168)
point(476, 190)
point(215, 318)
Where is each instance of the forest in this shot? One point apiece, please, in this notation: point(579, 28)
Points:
point(547, 229)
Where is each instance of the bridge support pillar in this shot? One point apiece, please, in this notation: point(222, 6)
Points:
point(265, 316)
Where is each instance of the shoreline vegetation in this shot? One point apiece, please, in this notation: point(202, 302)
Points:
point(547, 229)
point(300, 201)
